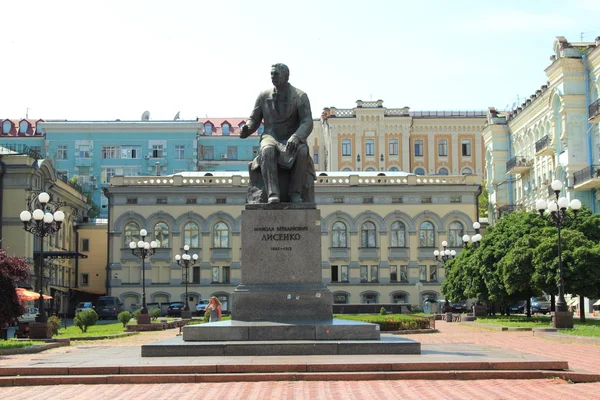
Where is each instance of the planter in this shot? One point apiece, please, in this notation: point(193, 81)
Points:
point(40, 330)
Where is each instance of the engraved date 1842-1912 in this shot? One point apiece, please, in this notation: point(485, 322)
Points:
point(281, 248)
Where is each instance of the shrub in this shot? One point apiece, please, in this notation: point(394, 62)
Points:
point(206, 316)
point(155, 313)
point(85, 319)
point(55, 321)
point(124, 317)
point(382, 311)
point(136, 313)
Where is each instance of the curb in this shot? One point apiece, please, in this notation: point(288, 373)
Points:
point(38, 348)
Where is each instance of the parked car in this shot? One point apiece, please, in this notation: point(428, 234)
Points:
point(518, 308)
point(540, 305)
point(175, 309)
point(109, 307)
point(201, 307)
point(459, 306)
point(84, 305)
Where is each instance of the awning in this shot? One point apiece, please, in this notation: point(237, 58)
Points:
point(573, 301)
point(60, 254)
point(88, 291)
point(28, 295)
point(597, 303)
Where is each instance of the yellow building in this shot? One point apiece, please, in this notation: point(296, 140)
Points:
point(24, 175)
point(371, 137)
point(379, 232)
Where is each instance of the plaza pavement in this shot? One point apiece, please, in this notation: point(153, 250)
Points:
point(582, 357)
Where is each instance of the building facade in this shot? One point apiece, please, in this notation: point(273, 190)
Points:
point(23, 177)
point(378, 233)
point(552, 135)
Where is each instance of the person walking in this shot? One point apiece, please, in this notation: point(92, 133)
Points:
point(214, 307)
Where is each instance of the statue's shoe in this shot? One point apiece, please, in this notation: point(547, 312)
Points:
point(295, 198)
point(273, 200)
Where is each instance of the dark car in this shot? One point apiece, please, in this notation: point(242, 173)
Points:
point(175, 309)
point(459, 306)
point(518, 308)
point(109, 307)
point(540, 305)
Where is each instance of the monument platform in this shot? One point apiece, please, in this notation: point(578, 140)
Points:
point(177, 347)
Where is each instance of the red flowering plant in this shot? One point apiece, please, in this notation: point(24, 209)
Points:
point(12, 269)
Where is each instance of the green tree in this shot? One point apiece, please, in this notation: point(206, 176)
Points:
point(483, 201)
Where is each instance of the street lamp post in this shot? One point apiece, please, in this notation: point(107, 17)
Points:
point(475, 239)
point(42, 222)
point(444, 254)
point(186, 260)
point(143, 249)
point(557, 215)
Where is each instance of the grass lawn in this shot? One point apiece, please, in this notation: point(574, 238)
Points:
point(17, 344)
point(94, 330)
point(591, 328)
point(378, 317)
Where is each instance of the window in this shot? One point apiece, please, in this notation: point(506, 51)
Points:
point(455, 234)
point(85, 244)
point(208, 129)
point(316, 156)
point(419, 171)
point(426, 235)
point(215, 275)
point(398, 232)
point(23, 126)
point(367, 235)
point(221, 200)
point(418, 148)
point(226, 275)
point(111, 152)
point(369, 298)
point(6, 126)
point(191, 235)
point(443, 148)
point(374, 273)
point(340, 298)
point(85, 279)
point(393, 169)
point(83, 151)
point(208, 152)
point(225, 129)
point(179, 152)
point(432, 273)
point(370, 147)
point(338, 200)
point(369, 274)
point(131, 152)
point(468, 171)
point(196, 275)
point(367, 200)
point(157, 151)
point(339, 238)
point(403, 273)
point(399, 298)
point(61, 152)
point(346, 147)
point(161, 200)
point(131, 234)
point(443, 171)
point(132, 200)
point(393, 147)
point(423, 273)
point(339, 273)
point(466, 147)
point(161, 235)
point(393, 273)
point(221, 235)
point(232, 152)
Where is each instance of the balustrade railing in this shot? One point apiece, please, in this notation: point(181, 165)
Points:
point(594, 109)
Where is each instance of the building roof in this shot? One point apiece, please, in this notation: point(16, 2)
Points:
point(15, 130)
point(217, 125)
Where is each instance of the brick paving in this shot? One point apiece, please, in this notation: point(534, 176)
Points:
point(580, 357)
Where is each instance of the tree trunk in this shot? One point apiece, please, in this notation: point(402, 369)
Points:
point(528, 305)
point(581, 308)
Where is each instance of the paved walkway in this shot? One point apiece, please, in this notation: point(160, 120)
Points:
point(580, 357)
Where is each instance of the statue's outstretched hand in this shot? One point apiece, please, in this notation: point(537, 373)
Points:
point(292, 144)
point(245, 132)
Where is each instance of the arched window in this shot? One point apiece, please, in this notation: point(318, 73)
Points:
point(467, 171)
point(419, 171)
point(225, 129)
point(191, 235)
point(368, 236)
point(23, 126)
point(6, 125)
point(347, 170)
point(340, 298)
point(161, 235)
point(455, 234)
point(370, 169)
point(443, 171)
point(393, 169)
point(399, 298)
point(339, 238)
point(221, 235)
point(398, 238)
point(369, 297)
point(208, 129)
point(131, 233)
point(426, 235)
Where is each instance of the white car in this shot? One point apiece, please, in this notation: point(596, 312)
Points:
point(84, 305)
point(201, 307)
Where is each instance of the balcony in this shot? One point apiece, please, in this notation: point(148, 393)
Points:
point(543, 147)
point(339, 253)
point(587, 178)
point(368, 253)
point(594, 112)
point(220, 254)
point(398, 253)
point(518, 165)
point(83, 162)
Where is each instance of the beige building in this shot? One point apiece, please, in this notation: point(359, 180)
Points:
point(371, 137)
point(23, 175)
point(379, 231)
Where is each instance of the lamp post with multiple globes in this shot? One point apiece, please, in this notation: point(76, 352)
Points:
point(186, 260)
point(42, 222)
point(475, 239)
point(555, 212)
point(143, 249)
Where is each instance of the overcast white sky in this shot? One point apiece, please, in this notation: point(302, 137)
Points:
point(105, 60)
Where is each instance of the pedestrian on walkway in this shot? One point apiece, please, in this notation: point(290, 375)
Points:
point(214, 307)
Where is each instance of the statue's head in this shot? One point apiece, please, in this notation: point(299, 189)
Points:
point(280, 74)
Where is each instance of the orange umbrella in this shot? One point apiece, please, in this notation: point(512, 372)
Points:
point(28, 295)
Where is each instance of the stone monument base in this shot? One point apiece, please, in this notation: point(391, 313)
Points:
point(562, 320)
point(233, 330)
point(40, 330)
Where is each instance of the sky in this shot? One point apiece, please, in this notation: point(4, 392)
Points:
point(106, 60)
